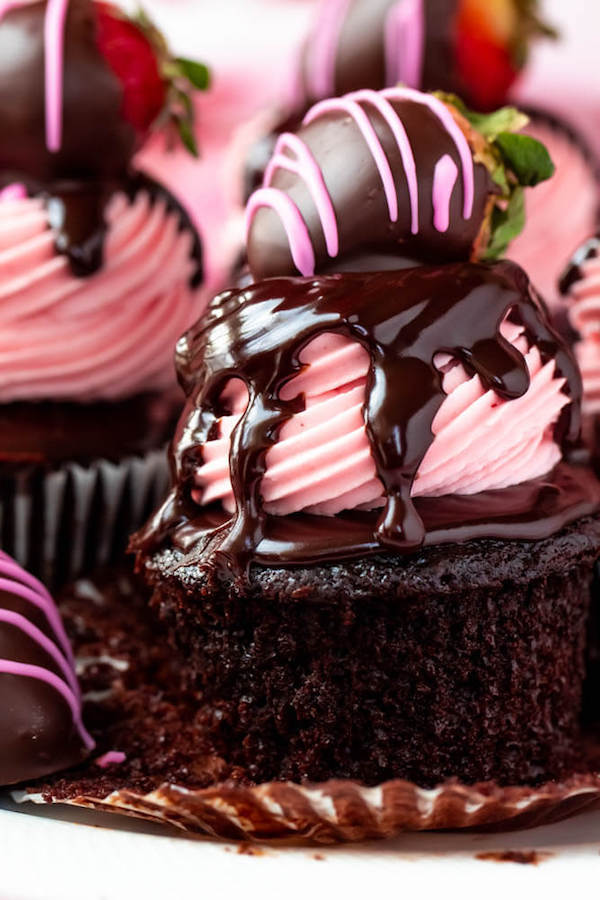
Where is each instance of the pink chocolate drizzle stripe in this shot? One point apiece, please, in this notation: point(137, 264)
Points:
point(112, 758)
point(462, 145)
point(408, 159)
point(405, 43)
point(295, 227)
point(24, 670)
point(10, 581)
point(28, 628)
point(349, 105)
point(323, 47)
point(54, 29)
point(444, 179)
point(305, 166)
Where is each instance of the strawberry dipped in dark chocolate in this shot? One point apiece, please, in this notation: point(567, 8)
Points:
point(81, 87)
point(380, 180)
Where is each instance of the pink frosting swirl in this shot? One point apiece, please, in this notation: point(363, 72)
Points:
point(104, 337)
point(322, 461)
point(560, 213)
point(584, 313)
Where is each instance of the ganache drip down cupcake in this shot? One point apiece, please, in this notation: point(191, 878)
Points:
point(100, 268)
point(40, 703)
point(379, 537)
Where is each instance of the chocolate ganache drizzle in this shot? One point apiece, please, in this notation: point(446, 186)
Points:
point(40, 703)
point(371, 179)
point(403, 319)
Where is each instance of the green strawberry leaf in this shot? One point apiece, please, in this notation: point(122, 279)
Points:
point(507, 223)
point(490, 125)
point(526, 157)
point(196, 73)
point(186, 134)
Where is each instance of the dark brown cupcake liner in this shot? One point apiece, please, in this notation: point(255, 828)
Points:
point(343, 811)
point(63, 521)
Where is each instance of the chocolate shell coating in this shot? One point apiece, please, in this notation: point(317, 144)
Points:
point(368, 238)
point(40, 706)
point(97, 142)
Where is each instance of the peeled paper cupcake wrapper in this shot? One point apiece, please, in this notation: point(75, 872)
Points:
point(60, 522)
point(340, 811)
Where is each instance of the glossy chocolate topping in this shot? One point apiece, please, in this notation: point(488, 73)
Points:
point(403, 319)
point(370, 181)
point(573, 273)
point(40, 705)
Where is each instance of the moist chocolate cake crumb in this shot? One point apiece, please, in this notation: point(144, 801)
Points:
point(462, 661)
point(133, 698)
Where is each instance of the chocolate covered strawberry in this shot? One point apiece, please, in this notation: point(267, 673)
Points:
point(85, 89)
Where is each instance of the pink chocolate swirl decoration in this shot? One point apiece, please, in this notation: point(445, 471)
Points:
point(414, 187)
point(40, 703)
point(581, 284)
point(104, 337)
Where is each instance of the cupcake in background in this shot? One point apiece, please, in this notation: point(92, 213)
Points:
point(40, 702)
point(100, 270)
point(580, 287)
point(561, 213)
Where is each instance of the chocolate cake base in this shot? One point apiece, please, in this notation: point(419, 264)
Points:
point(172, 773)
point(464, 661)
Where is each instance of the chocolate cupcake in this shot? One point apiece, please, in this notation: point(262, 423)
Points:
point(379, 537)
point(40, 704)
point(555, 222)
point(346, 558)
point(99, 274)
point(462, 46)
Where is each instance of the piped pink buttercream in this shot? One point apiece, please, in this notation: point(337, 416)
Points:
point(561, 213)
point(584, 313)
point(104, 337)
point(322, 461)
